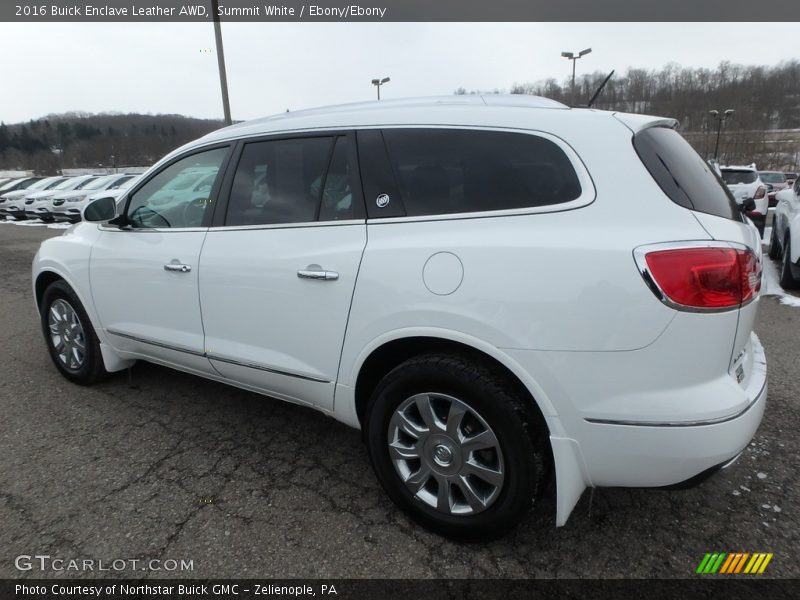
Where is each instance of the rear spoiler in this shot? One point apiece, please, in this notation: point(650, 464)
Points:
point(637, 123)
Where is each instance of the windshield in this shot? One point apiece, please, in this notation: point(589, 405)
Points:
point(96, 184)
point(772, 177)
point(43, 184)
point(123, 182)
point(733, 177)
point(17, 184)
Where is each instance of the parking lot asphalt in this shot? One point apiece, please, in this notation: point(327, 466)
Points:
point(156, 464)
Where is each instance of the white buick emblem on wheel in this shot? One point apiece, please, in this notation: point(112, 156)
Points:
point(382, 201)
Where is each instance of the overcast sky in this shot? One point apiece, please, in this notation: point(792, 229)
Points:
point(136, 67)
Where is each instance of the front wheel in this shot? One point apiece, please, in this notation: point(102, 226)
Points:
point(774, 249)
point(69, 335)
point(455, 446)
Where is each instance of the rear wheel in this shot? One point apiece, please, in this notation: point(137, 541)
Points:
point(788, 280)
point(69, 335)
point(455, 447)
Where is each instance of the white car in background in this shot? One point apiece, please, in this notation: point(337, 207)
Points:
point(37, 206)
point(479, 298)
point(68, 206)
point(784, 242)
point(10, 198)
point(745, 183)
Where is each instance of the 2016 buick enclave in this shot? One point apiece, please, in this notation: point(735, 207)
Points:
point(462, 278)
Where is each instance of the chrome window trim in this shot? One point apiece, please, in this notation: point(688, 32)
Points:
point(289, 225)
point(639, 256)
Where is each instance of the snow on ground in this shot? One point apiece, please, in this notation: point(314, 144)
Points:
point(36, 223)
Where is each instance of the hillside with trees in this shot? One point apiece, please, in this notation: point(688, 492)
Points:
point(765, 127)
point(80, 140)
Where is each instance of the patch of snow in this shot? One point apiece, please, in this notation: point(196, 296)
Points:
point(761, 475)
point(744, 488)
point(770, 285)
point(766, 506)
point(30, 223)
point(776, 508)
point(737, 493)
point(59, 225)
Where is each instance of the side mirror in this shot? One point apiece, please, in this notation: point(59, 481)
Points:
point(102, 209)
point(747, 205)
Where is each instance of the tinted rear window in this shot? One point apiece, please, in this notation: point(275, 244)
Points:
point(445, 171)
point(770, 177)
point(683, 176)
point(734, 177)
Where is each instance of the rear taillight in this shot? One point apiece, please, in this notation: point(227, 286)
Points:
point(760, 192)
point(702, 277)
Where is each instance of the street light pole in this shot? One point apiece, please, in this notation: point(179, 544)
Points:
point(574, 58)
point(721, 118)
point(223, 77)
point(378, 83)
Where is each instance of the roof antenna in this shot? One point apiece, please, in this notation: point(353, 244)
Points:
point(600, 89)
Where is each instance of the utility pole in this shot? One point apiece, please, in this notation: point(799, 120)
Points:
point(223, 77)
point(574, 58)
point(721, 118)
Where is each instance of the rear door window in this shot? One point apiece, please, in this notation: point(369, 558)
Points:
point(447, 171)
point(683, 176)
point(297, 180)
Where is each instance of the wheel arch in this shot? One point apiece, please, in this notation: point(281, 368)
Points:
point(387, 352)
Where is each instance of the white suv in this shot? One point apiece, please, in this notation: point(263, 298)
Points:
point(745, 184)
point(784, 241)
point(461, 278)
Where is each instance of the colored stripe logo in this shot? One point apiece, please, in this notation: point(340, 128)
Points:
point(728, 563)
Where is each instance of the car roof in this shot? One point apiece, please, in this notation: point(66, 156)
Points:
point(738, 168)
point(466, 110)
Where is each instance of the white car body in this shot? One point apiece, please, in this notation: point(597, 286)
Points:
point(37, 205)
point(634, 392)
point(68, 206)
point(13, 199)
point(786, 225)
point(753, 188)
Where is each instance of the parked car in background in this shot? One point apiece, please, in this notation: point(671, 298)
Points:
point(478, 298)
point(37, 206)
point(775, 182)
point(745, 183)
point(9, 198)
point(69, 205)
point(784, 243)
point(19, 183)
point(790, 178)
point(4, 180)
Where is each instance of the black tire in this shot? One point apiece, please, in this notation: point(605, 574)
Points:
point(91, 368)
point(486, 391)
point(788, 280)
point(774, 248)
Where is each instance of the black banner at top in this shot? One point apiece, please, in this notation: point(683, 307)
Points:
point(394, 10)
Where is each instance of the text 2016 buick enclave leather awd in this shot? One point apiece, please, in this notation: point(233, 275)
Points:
point(464, 279)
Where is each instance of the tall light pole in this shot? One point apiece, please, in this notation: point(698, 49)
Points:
point(721, 118)
point(223, 77)
point(574, 58)
point(378, 83)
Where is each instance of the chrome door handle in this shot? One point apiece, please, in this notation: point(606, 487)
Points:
point(318, 273)
point(177, 267)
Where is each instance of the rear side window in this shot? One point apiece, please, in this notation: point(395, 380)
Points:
point(683, 176)
point(445, 171)
point(734, 176)
point(292, 181)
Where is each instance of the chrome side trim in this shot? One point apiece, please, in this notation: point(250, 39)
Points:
point(640, 254)
point(218, 358)
point(258, 367)
point(716, 421)
point(154, 343)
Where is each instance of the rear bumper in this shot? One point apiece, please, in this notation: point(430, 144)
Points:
point(656, 454)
